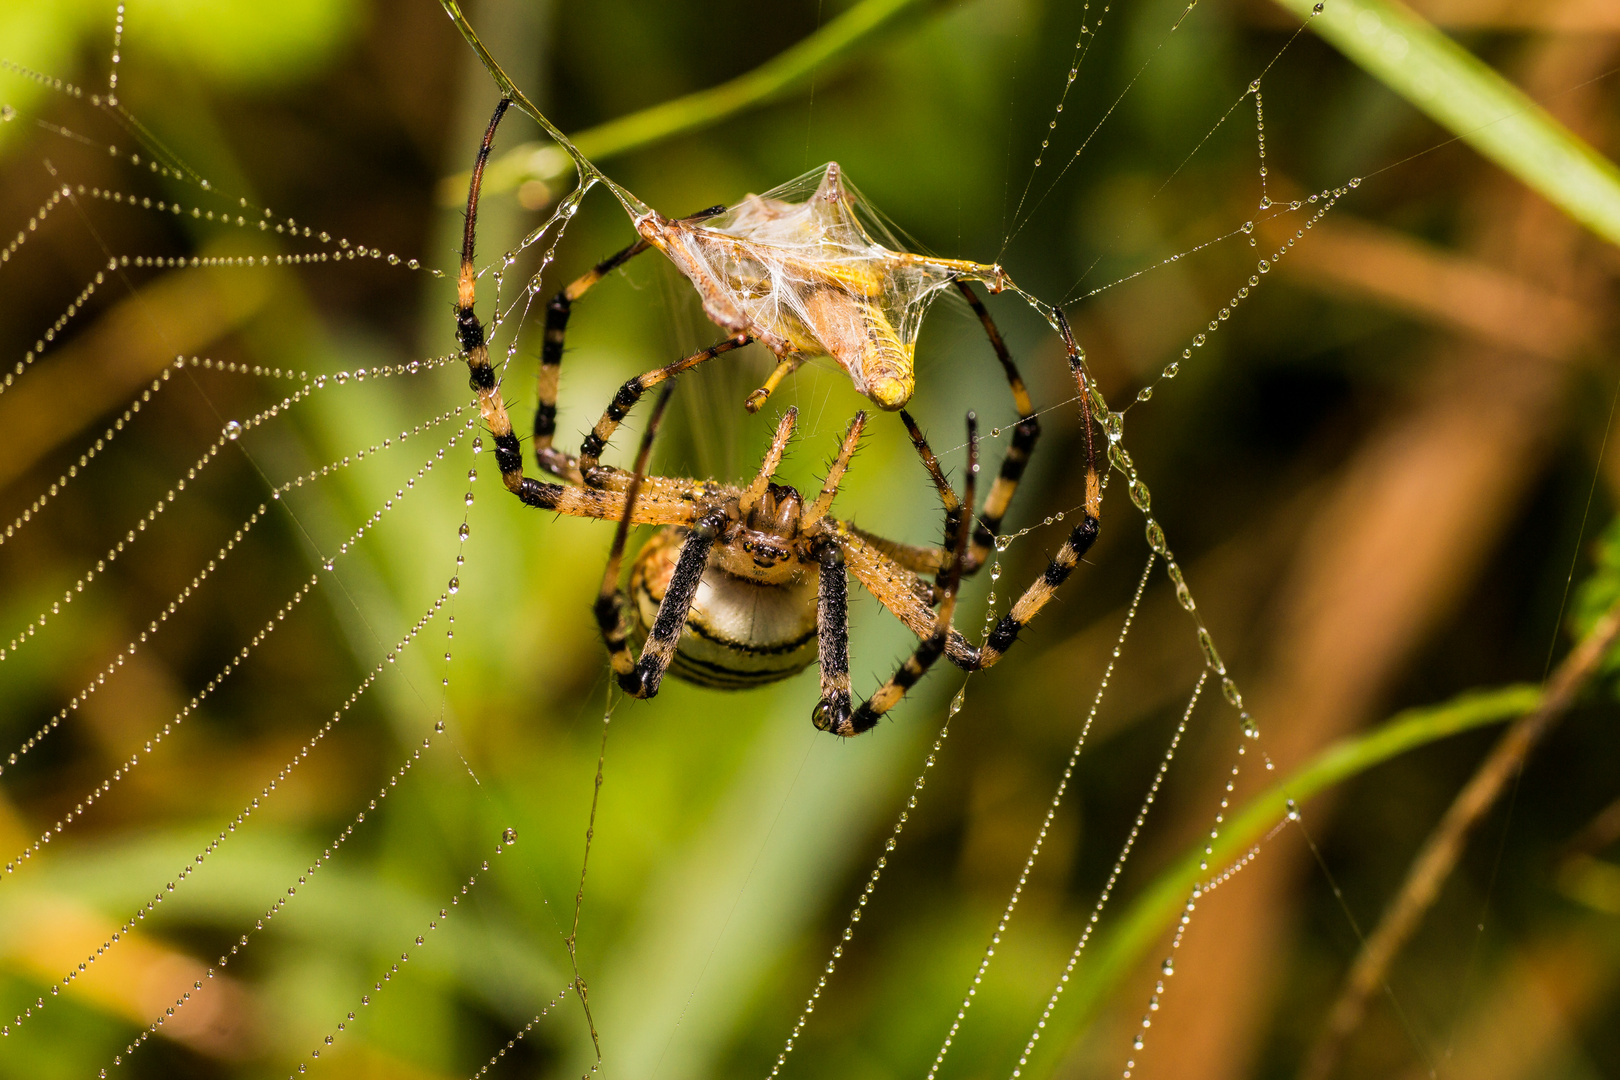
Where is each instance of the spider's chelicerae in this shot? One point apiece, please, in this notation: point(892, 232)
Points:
point(746, 586)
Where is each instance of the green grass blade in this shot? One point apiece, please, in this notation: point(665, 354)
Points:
point(547, 163)
point(1470, 99)
point(1118, 951)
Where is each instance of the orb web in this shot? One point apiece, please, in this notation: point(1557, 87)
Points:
point(810, 269)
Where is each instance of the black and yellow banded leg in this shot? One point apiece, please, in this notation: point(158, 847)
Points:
point(1061, 565)
point(551, 355)
point(612, 606)
point(590, 451)
point(558, 310)
point(932, 647)
point(1024, 436)
point(891, 693)
point(931, 560)
point(955, 511)
point(642, 678)
point(664, 502)
point(470, 335)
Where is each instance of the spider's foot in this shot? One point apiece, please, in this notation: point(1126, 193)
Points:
point(833, 715)
point(639, 683)
point(756, 401)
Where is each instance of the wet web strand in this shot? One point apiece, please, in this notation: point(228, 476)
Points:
point(872, 879)
point(256, 803)
point(1113, 877)
point(1052, 808)
point(508, 837)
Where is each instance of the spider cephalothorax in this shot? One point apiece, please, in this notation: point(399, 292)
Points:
point(765, 542)
point(745, 586)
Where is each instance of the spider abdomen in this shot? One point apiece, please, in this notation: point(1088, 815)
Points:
point(739, 633)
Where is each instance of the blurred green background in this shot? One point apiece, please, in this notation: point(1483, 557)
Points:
point(1381, 475)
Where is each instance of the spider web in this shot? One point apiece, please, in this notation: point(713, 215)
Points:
point(365, 481)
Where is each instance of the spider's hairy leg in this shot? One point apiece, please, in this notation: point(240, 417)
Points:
point(1024, 438)
point(832, 712)
point(767, 468)
point(561, 306)
point(470, 334)
point(611, 603)
point(835, 473)
point(914, 557)
point(551, 355)
point(643, 679)
point(933, 646)
point(899, 589)
point(664, 505)
point(955, 510)
point(1074, 548)
point(590, 451)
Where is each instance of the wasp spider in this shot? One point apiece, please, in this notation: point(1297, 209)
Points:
point(745, 586)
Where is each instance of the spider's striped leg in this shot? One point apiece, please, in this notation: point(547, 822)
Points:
point(902, 591)
point(662, 504)
point(550, 459)
point(612, 606)
point(933, 646)
point(1073, 549)
point(551, 353)
point(590, 451)
point(1024, 437)
point(921, 559)
point(955, 509)
point(470, 334)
